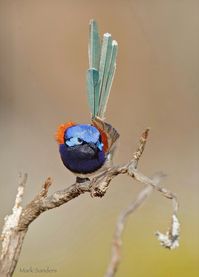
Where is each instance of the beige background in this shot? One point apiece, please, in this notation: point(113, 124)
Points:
point(43, 62)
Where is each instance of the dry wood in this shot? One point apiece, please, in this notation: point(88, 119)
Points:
point(16, 224)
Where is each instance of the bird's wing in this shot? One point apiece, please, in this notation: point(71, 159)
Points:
point(108, 133)
point(102, 65)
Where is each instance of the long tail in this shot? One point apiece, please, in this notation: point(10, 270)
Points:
point(102, 65)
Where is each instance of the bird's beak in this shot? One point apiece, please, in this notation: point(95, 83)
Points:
point(93, 146)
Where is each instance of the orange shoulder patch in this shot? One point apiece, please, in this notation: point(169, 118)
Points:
point(104, 140)
point(61, 130)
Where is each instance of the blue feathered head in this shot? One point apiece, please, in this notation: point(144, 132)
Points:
point(83, 133)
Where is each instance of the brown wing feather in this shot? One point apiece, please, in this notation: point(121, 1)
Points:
point(112, 134)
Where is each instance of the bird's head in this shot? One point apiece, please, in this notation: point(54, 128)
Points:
point(84, 135)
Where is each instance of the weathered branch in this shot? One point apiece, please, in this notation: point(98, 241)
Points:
point(97, 187)
point(117, 240)
point(120, 225)
point(12, 240)
point(16, 225)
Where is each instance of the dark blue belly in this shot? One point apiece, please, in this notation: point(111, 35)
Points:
point(82, 158)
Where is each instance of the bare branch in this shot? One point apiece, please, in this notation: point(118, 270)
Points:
point(97, 187)
point(170, 240)
point(11, 241)
point(121, 221)
point(133, 172)
point(141, 146)
point(117, 241)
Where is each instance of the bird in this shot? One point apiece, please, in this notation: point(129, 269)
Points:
point(86, 149)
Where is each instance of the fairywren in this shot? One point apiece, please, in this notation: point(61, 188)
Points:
point(85, 148)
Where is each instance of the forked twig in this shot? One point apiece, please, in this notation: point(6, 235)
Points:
point(16, 225)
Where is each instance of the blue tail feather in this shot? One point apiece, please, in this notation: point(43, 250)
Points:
point(102, 65)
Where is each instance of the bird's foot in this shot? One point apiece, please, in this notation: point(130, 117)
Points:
point(81, 180)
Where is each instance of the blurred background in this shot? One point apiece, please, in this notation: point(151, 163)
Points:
point(43, 54)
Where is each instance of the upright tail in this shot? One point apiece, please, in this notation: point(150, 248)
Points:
point(102, 65)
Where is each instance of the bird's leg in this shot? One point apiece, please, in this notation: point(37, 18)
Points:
point(81, 180)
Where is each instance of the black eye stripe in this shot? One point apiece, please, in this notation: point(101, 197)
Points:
point(83, 141)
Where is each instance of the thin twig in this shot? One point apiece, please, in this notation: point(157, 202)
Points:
point(97, 187)
point(121, 223)
point(117, 241)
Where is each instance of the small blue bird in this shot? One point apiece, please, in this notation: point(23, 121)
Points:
point(86, 148)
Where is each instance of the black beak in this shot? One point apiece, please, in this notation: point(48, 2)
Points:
point(93, 147)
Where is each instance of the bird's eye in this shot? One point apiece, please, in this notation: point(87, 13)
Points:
point(79, 140)
point(73, 141)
